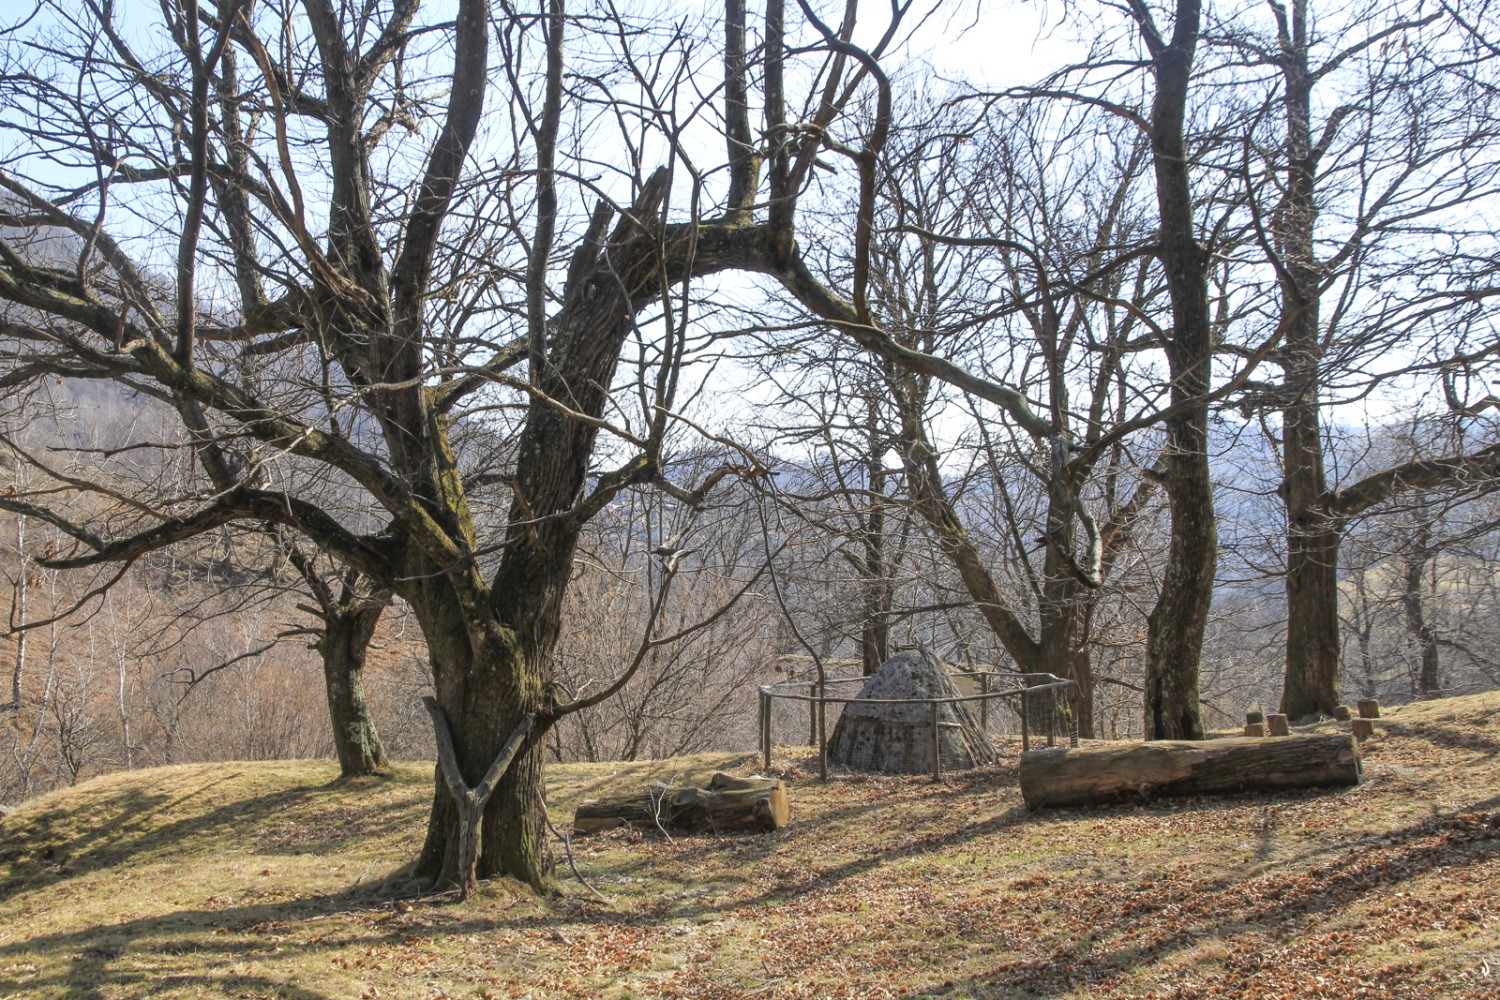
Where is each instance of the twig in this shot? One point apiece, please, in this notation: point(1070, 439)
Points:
point(567, 839)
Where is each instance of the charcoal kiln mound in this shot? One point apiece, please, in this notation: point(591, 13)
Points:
point(875, 735)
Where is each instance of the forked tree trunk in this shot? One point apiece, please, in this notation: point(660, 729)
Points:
point(485, 695)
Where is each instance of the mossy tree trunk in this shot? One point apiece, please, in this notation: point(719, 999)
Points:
point(344, 646)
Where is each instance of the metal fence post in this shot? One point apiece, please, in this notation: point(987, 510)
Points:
point(765, 728)
point(822, 731)
point(937, 755)
point(1025, 721)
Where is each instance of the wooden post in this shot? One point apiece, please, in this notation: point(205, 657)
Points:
point(1369, 708)
point(1255, 729)
point(984, 701)
point(1278, 725)
point(937, 756)
point(1363, 729)
point(1342, 713)
point(1255, 718)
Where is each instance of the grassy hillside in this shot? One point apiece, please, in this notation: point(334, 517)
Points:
point(274, 880)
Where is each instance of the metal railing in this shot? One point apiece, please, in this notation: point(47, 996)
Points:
point(1023, 688)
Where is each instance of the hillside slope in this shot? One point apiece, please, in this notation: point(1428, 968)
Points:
point(274, 880)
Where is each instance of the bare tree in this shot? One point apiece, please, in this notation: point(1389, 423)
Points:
point(402, 288)
point(1372, 144)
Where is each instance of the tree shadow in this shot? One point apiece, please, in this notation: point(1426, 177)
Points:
point(1459, 838)
point(102, 961)
point(127, 825)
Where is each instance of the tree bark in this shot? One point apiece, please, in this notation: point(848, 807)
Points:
point(345, 641)
point(1176, 625)
point(486, 686)
point(1138, 772)
point(729, 804)
point(1419, 633)
point(1312, 634)
point(875, 630)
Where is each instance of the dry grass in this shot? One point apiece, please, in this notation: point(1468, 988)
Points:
point(274, 880)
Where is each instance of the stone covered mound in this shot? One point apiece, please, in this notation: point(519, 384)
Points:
point(897, 739)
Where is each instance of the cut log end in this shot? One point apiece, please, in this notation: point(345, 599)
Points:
point(1138, 772)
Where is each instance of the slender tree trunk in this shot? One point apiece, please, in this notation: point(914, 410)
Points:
point(346, 639)
point(1419, 633)
point(875, 632)
point(1063, 630)
point(22, 592)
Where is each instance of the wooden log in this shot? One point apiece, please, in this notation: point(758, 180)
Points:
point(728, 805)
point(1369, 708)
point(1363, 729)
point(1278, 725)
point(1255, 729)
point(1342, 713)
point(1136, 772)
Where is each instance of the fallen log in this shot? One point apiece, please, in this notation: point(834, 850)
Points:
point(728, 805)
point(1137, 772)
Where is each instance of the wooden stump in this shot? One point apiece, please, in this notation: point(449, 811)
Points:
point(728, 805)
point(1369, 708)
point(1255, 718)
point(1136, 772)
point(1363, 729)
point(1277, 725)
point(1255, 728)
point(1342, 713)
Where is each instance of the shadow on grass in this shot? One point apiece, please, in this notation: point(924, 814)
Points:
point(128, 825)
point(1226, 908)
point(173, 952)
point(1443, 735)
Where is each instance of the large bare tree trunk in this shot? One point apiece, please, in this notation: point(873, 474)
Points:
point(1176, 625)
point(1312, 635)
